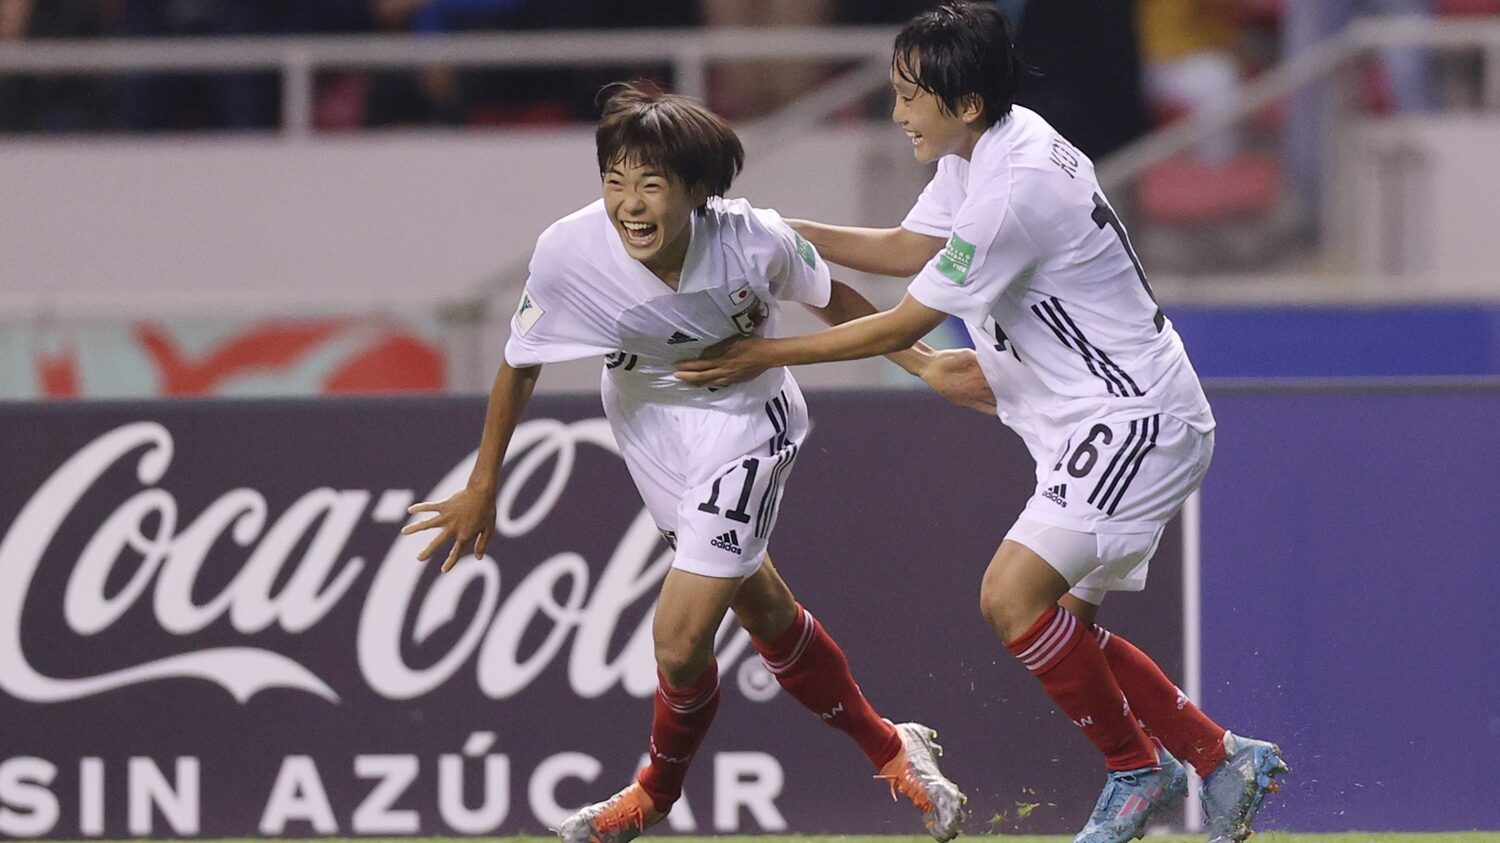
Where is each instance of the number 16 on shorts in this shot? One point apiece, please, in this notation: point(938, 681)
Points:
point(1124, 473)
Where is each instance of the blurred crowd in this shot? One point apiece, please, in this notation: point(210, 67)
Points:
point(431, 95)
point(1135, 64)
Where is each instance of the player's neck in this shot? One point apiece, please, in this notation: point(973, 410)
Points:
point(971, 140)
point(667, 264)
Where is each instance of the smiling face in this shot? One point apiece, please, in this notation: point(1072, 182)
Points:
point(652, 211)
point(934, 130)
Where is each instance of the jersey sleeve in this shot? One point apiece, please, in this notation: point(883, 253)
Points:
point(555, 320)
point(987, 251)
point(933, 213)
point(794, 269)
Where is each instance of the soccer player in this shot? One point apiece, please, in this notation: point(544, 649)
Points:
point(1014, 236)
point(659, 269)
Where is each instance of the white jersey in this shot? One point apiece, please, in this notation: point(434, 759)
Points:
point(586, 296)
point(1041, 270)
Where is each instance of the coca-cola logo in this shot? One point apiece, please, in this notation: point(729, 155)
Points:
point(580, 612)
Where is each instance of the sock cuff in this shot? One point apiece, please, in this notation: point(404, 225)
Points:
point(780, 655)
point(695, 696)
point(1048, 640)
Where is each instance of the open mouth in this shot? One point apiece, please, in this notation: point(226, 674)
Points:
point(916, 139)
point(639, 234)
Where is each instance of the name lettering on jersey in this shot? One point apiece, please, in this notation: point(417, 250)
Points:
point(527, 313)
point(806, 250)
point(1065, 157)
point(956, 259)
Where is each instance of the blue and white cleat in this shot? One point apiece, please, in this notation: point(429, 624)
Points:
point(1232, 793)
point(1132, 798)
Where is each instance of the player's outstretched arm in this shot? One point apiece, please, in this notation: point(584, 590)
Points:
point(845, 304)
point(880, 251)
point(468, 516)
point(739, 359)
point(952, 373)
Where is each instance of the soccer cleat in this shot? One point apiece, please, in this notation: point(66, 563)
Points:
point(914, 773)
point(1232, 793)
point(617, 819)
point(1131, 798)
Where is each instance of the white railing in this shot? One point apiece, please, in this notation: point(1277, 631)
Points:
point(1324, 60)
point(690, 52)
point(297, 59)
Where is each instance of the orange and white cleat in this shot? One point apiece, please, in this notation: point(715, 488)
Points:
point(914, 773)
point(617, 819)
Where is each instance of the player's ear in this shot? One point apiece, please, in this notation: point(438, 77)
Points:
point(970, 108)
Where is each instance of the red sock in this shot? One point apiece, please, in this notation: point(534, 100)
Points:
point(1162, 707)
point(680, 721)
point(1078, 679)
point(810, 666)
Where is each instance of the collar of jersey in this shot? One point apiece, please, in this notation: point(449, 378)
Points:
point(700, 231)
point(993, 142)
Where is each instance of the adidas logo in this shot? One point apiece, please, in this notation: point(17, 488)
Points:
point(678, 338)
point(1057, 494)
point(730, 541)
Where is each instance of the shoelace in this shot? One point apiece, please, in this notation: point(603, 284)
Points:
point(619, 813)
point(908, 783)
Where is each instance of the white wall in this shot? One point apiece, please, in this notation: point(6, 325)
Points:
point(1417, 200)
point(95, 225)
point(400, 224)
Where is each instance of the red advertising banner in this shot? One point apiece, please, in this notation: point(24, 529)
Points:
point(211, 627)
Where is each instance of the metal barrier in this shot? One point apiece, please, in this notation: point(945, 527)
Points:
point(297, 59)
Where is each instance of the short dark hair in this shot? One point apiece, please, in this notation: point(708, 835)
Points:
point(961, 49)
point(669, 132)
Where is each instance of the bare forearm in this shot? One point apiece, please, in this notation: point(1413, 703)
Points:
point(880, 251)
point(869, 336)
point(845, 304)
point(508, 398)
point(856, 340)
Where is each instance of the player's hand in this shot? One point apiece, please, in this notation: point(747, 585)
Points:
point(954, 373)
point(467, 518)
point(734, 360)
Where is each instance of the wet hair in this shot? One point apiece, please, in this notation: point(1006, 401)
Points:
point(674, 134)
point(961, 49)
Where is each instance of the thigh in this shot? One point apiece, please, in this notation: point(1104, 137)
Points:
point(764, 604)
point(690, 608)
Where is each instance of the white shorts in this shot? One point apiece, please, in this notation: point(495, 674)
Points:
point(1099, 510)
point(711, 479)
point(1092, 563)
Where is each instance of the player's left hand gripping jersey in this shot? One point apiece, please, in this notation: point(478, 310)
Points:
point(587, 296)
point(1041, 271)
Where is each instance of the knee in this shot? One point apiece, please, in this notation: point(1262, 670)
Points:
point(682, 662)
point(1006, 610)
